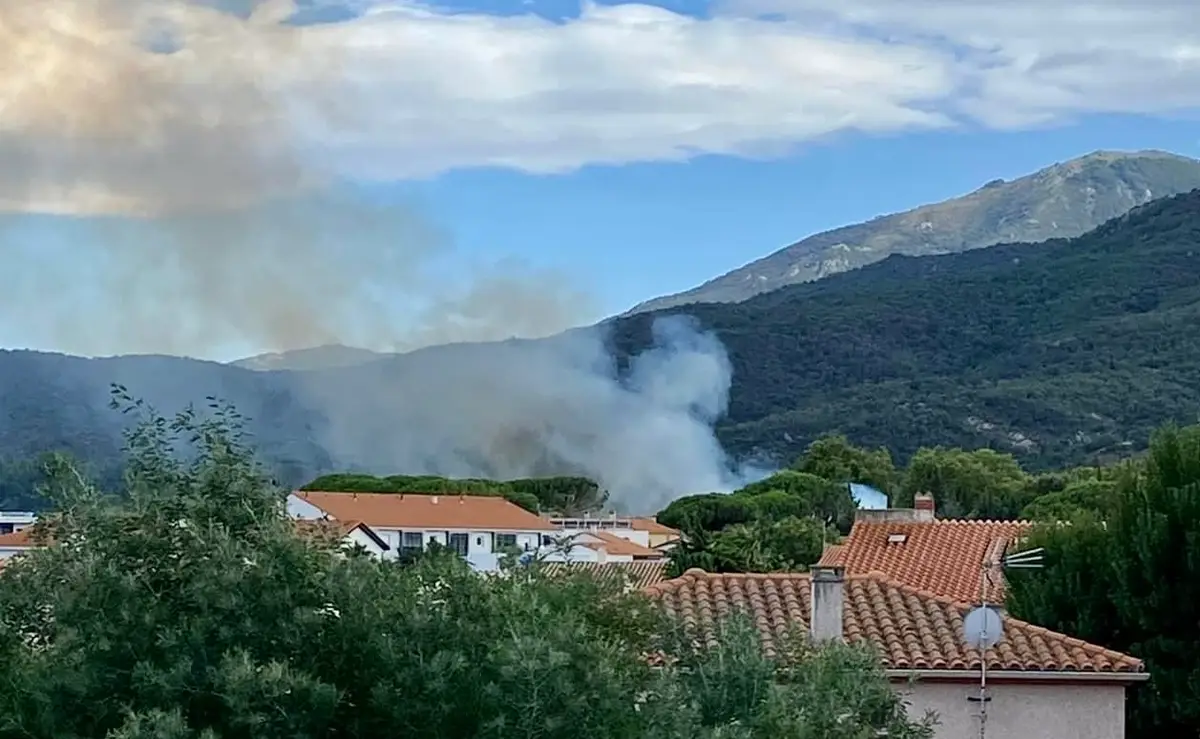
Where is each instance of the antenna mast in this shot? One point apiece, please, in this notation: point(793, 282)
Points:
point(983, 626)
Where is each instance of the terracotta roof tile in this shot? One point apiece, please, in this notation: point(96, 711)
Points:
point(911, 629)
point(619, 546)
point(22, 538)
point(651, 525)
point(640, 574)
point(945, 557)
point(416, 511)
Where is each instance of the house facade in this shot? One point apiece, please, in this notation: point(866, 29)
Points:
point(1040, 684)
point(480, 528)
point(644, 531)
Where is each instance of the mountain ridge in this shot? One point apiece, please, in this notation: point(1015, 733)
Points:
point(1062, 200)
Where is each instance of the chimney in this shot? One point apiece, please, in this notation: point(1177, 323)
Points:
point(828, 585)
point(433, 500)
point(923, 502)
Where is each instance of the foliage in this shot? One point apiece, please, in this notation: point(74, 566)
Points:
point(1063, 353)
point(189, 607)
point(1067, 352)
point(838, 692)
point(977, 484)
point(565, 495)
point(1132, 582)
point(786, 493)
point(833, 457)
point(786, 544)
point(1093, 497)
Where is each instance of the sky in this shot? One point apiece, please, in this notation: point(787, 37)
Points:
point(221, 177)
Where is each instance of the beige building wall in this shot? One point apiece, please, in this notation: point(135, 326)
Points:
point(1022, 710)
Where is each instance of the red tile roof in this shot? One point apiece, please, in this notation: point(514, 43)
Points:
point(945, 557)
point(651, 525)
point(418, 511)
point(911, 629)
point(22, 538)
point(639, 574)
point(619, 546)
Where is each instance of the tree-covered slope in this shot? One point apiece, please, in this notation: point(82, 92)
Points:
point(1060, 351)
point(1063, 353)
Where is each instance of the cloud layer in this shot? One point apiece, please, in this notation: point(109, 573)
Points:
point(99, 119)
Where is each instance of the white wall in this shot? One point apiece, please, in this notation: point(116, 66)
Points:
point(358, 537)
point(637, 537)
point(479, 542)
point(1023, 710)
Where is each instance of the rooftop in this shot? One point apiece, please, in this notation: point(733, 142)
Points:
point(420, 511)
point(939, 556)
point(619, 546)
point(639, 574)
point(912, 629)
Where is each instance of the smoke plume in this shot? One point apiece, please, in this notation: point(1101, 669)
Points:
point(552, 407)
point(166, 169)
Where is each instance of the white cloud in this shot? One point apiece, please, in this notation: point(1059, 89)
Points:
point(95, 122)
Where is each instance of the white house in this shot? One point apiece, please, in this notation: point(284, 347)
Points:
point(600, 547)
point(477, 527)
point(643, 531)
point(11, 521)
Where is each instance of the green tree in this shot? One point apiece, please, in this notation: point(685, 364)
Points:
point(1093, 497)
point(813, 496)
point(190, 607)
point(1132, 582)
point(982, 483)
point(834, 458)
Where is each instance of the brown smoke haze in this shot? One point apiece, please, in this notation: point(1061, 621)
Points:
point(182, 205)
point(193, 211)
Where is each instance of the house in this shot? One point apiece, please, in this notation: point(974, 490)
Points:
point(11, 521)
point(1040, 684)
point(645, 531)
point(951, 558)
point(600, 547)
point(478, 527)
point(16, 542)
point(639, 575)
point(352, 534)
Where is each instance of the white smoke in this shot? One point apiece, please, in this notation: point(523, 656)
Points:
point(535, 408)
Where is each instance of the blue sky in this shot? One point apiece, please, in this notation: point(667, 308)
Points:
point(600, 154)
point(639, 231)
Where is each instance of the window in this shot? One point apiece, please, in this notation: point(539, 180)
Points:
point(506, 541)
point(458, 542)
point(412, 541)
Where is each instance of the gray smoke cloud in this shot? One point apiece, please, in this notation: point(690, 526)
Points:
point(552, 407)
point(182, 210)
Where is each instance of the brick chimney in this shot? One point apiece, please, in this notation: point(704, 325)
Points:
point(923, 502)
point(828, 595)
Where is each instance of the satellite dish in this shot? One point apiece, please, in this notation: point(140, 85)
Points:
point(983, 628)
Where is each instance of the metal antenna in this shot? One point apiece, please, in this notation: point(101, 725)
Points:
point(983, 626)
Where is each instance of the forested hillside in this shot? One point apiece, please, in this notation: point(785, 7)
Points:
point(1068, 352)
point(1062, 352)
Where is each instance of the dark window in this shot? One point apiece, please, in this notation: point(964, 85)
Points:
point(506, 541)
point(411, 541)
point(458, 542)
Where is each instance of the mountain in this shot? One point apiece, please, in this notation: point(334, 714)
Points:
point(1069, 351)
point(318, 357)
point(1061, 201)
